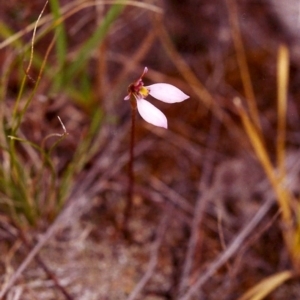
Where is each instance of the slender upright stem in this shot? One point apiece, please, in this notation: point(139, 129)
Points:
point(131, 156)
point(130, 173)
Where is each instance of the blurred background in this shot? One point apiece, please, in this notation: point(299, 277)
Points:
point(215, 206)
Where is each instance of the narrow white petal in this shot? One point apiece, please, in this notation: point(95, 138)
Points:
point(151, 114)
point(167, 93)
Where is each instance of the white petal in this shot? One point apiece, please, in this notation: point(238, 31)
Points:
point(167, 93)
point(151, 114)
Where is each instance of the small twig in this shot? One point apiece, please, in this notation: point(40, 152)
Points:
point(175, 198)
point(200, 205)
point(92, 189)
point(154, 255)
point(231, 250)
point(110, 145)
point(254, 238)
point(72, 212)
point(49, 273)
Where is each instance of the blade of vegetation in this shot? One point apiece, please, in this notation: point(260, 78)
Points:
point(266, 286)
point(264, 159)
point(283, 196)
point(242, 62)
point(86, 149)
point(61, 44)
point(283, 78)
point(94, 40)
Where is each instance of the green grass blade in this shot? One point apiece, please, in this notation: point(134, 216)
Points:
point(61, 44)
point(95, 40)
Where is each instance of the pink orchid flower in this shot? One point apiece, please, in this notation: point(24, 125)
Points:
point(168, 93)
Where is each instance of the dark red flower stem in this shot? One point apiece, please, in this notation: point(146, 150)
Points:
point(130, 190)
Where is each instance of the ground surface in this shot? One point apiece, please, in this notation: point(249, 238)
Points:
point(205, 222)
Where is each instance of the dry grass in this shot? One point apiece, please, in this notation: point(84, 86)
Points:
point(215, 207)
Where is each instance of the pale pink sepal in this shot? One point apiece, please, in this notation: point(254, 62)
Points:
point(151, 114)
point(167, 93)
